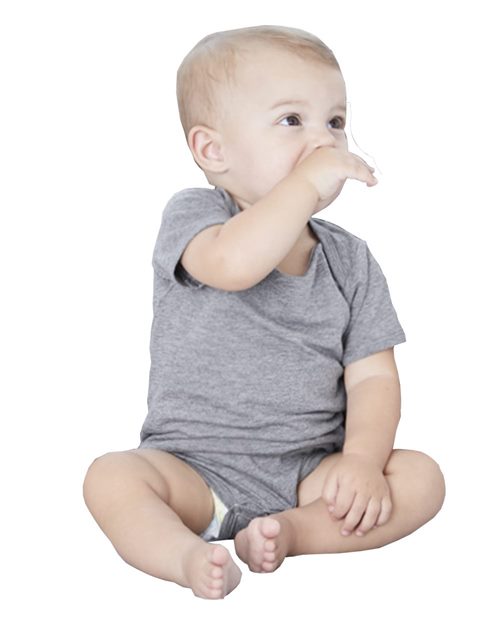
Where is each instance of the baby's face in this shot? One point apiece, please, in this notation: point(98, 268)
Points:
point(263, 140)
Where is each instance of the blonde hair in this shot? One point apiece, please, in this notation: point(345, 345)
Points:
point(210, 67)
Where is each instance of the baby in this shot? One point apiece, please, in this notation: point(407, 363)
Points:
point(274, 395)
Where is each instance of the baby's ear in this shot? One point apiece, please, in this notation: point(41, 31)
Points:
point(206, 148)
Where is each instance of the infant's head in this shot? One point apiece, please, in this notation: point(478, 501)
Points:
point(229, 89)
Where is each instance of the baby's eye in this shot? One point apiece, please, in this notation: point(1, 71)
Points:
point(341, 121)
point(291, 117)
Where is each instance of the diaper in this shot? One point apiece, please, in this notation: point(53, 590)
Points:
point(220, 510)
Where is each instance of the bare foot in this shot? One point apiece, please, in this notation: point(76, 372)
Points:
point(210, 571)
point(264, 543)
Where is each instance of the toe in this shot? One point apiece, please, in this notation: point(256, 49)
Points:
point(219, 555)
point(268, 566)
point(270, 527)
point(216, 584)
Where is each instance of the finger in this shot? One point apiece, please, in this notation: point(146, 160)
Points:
point(362, 174)
point(362, 160)
point(343, 502)
point(370, 517)
point(330, 489)
point(367, 173)
point(385, 511)
point(354, 515)
point(359, 162)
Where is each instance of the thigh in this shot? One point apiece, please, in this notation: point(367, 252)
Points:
point(419, 467)
point(178, 484)
point(311, 487)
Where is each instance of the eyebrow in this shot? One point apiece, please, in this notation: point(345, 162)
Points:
point(284, 102)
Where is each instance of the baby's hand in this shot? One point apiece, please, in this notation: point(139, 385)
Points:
point(354, 486)
point(327, 169)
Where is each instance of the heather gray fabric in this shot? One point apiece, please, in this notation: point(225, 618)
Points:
point(247, 386)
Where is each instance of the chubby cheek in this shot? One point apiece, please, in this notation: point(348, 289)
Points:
point(280, 163)
point(274, 173)
point(266, 165)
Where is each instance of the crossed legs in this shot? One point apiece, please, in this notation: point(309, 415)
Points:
point(417, 491)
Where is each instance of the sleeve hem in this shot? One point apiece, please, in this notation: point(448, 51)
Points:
point(174, 274)
point(373, 348)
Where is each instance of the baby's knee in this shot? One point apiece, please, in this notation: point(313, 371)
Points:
point(103, 474)
point(432, 481)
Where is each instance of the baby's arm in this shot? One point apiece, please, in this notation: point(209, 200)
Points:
point(246, 248)
point(357, 484)
point(256, 240)
point(373, 406)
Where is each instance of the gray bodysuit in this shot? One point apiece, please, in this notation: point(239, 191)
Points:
point(247, 386)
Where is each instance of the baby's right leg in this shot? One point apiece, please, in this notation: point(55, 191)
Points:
point(151, 505)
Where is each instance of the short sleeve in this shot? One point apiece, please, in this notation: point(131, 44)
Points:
point(187, 213)
point(373, 325)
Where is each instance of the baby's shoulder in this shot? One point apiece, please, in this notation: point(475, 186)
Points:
point(201, 199)
point(344, 244)
point(196, 193)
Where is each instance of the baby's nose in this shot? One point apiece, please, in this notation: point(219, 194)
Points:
point(322, 138)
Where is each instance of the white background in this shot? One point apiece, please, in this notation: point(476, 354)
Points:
point(92, 149)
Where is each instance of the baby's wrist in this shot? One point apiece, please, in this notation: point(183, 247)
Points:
point(305, 187)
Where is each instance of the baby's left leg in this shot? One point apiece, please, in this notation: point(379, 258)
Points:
point(417, 493)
